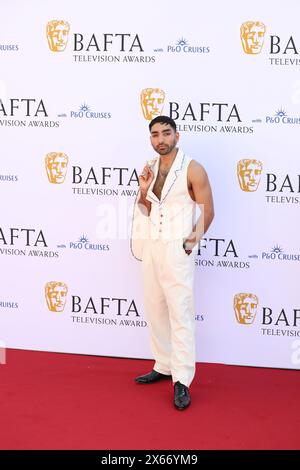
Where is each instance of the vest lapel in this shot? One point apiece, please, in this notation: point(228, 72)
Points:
point(150, 194)
point(173, 174)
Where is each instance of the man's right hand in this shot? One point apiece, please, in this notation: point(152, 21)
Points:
point(145, 179)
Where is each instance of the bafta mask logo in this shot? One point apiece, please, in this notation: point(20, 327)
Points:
point(249, 172)
point(252, 36)
point(152, 102)
point(245, 307)
point(56, 167)
point(56, 295)
point(57, 35)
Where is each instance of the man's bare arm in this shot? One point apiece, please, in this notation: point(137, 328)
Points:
point(202, 195)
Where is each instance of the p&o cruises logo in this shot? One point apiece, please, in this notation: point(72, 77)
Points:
point(281, 117)
point(277, 253)
point(182, 46)
point(85, 111)
point(83, 244)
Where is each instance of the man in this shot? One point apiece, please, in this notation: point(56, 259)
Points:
point(165, 211)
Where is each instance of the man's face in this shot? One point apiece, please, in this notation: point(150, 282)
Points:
point(249, 176)
point(57, 168)
point(58, 36)
point(252, 35)
point(163, 138)
point(56, 298)
point(246, 310)
point(152, 101)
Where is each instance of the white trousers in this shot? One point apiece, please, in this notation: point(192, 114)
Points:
point(168, 293)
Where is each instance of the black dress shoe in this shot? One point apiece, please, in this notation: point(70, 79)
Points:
point(153, 376)
point(182, 397)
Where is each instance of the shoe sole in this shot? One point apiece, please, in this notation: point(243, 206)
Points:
point(167, 377)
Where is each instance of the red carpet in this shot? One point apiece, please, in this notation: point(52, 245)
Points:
point(64, 401)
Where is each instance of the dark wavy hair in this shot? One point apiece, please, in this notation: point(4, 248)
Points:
point(163, 120)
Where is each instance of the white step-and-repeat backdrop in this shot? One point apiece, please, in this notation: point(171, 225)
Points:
point(79, 84)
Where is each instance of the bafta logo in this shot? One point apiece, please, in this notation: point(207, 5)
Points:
point(56, 167)
point(252, 36)
point(249, 172)
point(57, 35)
point(245, 307)
point(152, 102)
point(56, 294)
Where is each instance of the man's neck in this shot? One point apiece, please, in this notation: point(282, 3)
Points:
point(167, 160)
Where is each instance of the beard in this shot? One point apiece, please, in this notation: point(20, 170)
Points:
point(166, 148)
